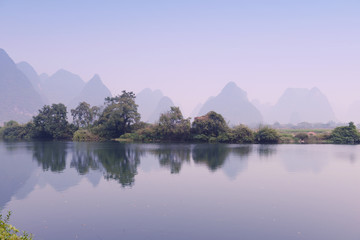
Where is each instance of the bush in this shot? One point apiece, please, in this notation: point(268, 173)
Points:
point(242, 134)
point(301, 136)
point(345, 135)
point(14, 131)
point(267, 135)
point(10, 232)
point(83, 135)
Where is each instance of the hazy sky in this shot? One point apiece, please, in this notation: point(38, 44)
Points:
point(191, 49)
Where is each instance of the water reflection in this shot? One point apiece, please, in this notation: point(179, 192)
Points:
point(172, 156)
point(50, 155)
point(120, 162)
point(84, 158)
point(212, 156)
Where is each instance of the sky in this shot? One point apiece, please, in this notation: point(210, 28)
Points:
point(190, 49)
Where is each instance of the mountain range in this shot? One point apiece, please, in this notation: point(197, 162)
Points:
point(232, 103)
point(152, 103)
point(23, 92)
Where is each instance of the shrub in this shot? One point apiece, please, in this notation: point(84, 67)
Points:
point(345, 135)
point(267, 135)
point(84, 135)
point(242, 134)
point(8, 231)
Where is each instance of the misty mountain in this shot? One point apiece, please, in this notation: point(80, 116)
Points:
point(195, 111)
point(34, 78)
point(18, 98)
point(148, 100)
point(302, 105)
point(94, 92)
point(31, 74)
point(232, 103)
point(62, 87)
point(163, 106)
point(353, 113)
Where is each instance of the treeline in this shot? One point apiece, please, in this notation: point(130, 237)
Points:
point(119, 119)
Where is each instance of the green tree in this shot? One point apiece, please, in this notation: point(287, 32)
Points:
point(345, 135)
point(82, 115)
point(51, 122)
point(267, 135)
point(210, 125)
point(119, 115)
point(173, 126)
point(242, 134)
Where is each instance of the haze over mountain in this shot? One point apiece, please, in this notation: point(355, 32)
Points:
point(152, 104)
point(163, 106)
point(353, 113)
point(62, 87)
point(18, 98)
point(233, 104)
point(147, 100)
point(302, 105)
point(94, 92)
point(31, 74)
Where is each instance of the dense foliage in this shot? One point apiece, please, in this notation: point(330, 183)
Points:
point(209, 127)
point(267, 135)
point(51, 123)
point(118, 117)
point(172, 126)
point(8, 231)
point(345, 135)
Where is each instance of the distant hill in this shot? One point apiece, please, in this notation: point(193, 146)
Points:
point(34, 78)
point(163, 106)
point(302, 105)
point(62, 87)
point(18, 98)
point(195, 112)
point(232, 103)
point(148, 100)
point(30, 73)
point(94, 92)
point(353, 113)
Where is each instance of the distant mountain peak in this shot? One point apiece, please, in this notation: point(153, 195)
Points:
point(233, 89)
point(3, 52)
point(233, 104)
point(95, 79)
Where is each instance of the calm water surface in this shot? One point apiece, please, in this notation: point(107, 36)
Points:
point(66, 190)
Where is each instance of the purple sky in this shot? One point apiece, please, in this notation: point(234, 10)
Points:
point(191, 49)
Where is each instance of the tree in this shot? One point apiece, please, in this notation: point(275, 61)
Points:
point(173, 126)
point(83, 115)
point(267, 135)
point(51, 122)
point(241, 134)
point(119, 115)
point(210, 125)
point(345, 135)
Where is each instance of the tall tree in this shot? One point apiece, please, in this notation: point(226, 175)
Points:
point(82, 115)
point(173, 126)
point(51, 122)
point(210, 125)
point(119, 115)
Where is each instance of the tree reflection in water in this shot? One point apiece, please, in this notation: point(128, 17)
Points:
point(84, 157)
point(172, 156)
point(120, 161)
point(50, 155)
point(213, 155)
